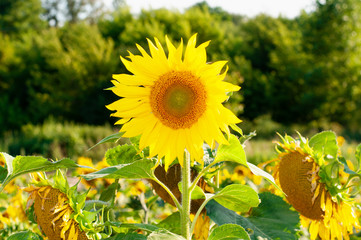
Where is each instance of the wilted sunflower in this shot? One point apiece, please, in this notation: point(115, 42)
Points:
point(174, 102)
point(53, 211)
point(308, 174)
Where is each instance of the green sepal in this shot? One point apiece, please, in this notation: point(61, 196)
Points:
point(244, 138)
point(111, 138)
point(236, 129)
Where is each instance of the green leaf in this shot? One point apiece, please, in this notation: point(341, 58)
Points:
point(232, 152)
point(259, 172)
point(163, 234)
point(325, 143)
point(112, 138)
point(245, 138)
point(135, 170)
point(109, 192)
point(229, 232)
point(171, 223)
point(133, 226)
point(27, 164)
point(121, 155)
point(25, 235)
point(237, 197)
point(197, 192)
point(237, 129)
point(3, 173)
point(272, 219)
point(127, 236)
point(346, 167)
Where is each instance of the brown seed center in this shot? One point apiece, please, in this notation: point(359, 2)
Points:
point(295, 179)
point(178, 99)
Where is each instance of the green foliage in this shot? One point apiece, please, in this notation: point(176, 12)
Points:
point(294, 70)
point(121, 155)
point(234, 152)
point(25, 235)
point(140, 226)
point(136, 170)
point(111, 138)
point(325, 143)
point(127, 236)
point(237, 197)
point(17, 16)
point(228, 232)
point(231, 152)
point(58, 140)
point(164, 235)
point(272, 219)
point(171, 223)
point(75, 59)
point(26, 164)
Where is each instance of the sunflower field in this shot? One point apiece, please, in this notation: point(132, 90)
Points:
point(171, 180)
point(182, 161)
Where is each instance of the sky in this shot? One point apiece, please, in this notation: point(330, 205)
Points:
point(250, 8)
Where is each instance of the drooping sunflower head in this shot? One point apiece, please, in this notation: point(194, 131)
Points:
point(173, 102)
point(309, 175)
point(54, 209)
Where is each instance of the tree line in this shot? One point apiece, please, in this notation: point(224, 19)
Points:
point(57, 57)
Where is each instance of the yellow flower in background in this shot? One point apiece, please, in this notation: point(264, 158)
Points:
point(201, 230)
point(174, 102)
point(298, 172)
point(137, 187)
point(240, 174)
point(86, 161)
point(4, 220)
point(340, 140)
point(15, 210)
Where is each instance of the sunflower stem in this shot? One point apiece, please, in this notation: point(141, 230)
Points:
point(186, 198)
point(176, 202)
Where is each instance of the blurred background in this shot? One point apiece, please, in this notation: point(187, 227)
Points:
point(300, 70)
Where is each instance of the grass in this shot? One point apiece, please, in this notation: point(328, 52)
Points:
point(58, 140)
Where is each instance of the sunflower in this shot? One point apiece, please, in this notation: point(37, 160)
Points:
point(174, 102)
point(310, 179)
point(53, 211)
